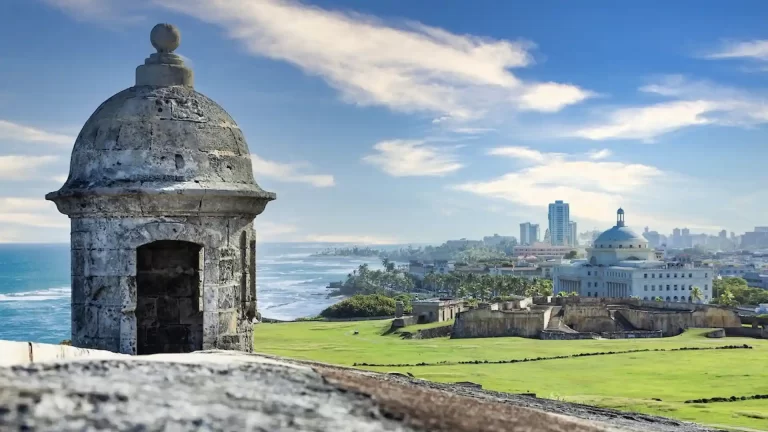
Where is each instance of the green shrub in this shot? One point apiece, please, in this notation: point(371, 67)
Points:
point(361, 306)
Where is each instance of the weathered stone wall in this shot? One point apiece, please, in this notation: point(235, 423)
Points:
point(494, 323)
point(19, 353)
point(673, 322)
point(715, 317)
point(670, 323)
point(589, 319)
point(434, 332)
point(104, 284)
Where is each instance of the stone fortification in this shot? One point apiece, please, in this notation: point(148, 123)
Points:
point(594, 316)
point(496, 323)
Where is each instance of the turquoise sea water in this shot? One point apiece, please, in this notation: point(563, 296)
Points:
point(35, 279)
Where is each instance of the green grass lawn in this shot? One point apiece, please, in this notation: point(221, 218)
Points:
point(623, 381)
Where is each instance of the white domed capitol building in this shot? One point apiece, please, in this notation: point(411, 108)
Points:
point(620, 264)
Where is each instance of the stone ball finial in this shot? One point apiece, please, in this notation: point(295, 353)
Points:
point(165, 38)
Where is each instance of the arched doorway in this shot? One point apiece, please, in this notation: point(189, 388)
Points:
point(169, 318)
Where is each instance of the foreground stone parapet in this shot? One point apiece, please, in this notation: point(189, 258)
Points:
point(162, 198)
point(261, 393)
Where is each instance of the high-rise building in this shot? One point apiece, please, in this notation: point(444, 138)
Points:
point(559, 223)
point(573, 234)
point(529, 233)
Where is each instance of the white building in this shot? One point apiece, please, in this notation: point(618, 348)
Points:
point(620, 264)
point(529, 233)
point(559, 223)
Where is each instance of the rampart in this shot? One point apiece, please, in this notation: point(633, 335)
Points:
point(496, 323)
point(607, 317)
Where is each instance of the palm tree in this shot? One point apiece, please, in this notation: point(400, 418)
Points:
point(696, 294)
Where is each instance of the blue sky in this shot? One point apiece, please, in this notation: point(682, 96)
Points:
point(419, 121)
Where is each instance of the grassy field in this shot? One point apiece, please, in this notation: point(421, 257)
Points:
point(624, 381)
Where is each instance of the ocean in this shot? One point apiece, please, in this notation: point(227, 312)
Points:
point(35, 292)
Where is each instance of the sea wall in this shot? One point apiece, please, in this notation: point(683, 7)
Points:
point(19, 353)
point(495, 323)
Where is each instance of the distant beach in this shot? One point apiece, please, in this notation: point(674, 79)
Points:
point(35, 286)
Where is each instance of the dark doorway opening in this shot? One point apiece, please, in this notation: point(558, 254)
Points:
point(168, 314)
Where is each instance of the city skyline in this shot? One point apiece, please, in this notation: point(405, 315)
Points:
point(492, 112)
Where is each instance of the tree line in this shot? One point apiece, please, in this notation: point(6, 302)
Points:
point(482, 287)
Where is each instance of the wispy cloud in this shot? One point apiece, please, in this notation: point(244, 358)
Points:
point(595, 189)
point(272, 231)
point(31, 212)
point(23, 167)
point(599, 154)
point(289, 172)
point(754, 49)
point(409, 158)
point(693, 103)
point(405, 66)
point(10, 131)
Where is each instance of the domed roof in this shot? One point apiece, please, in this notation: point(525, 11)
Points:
point(161, 138)
point(619, 234)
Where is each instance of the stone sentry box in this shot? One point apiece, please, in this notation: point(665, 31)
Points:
point(162, 198)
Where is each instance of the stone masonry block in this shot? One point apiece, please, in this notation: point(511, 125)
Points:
point(110, 262)
point(128, 333)
point(227, 323)
point(78, 259)
point(229, 297)
point(109, 322)
point(104, 290)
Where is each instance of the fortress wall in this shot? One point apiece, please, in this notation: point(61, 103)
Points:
point(715, 317)
point(494, 323)
point(20, 353)
point(588, 318)
point(669, 323)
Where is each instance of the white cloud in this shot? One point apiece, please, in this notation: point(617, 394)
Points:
point(31, 212)
point(552, 97)
point(15, 132)
point(595, 189)
point(352, 239)
point(272, 231)
point(599, 154)
point(23, 167)
point(523, 153)
point(754, 49)
point(288, 172)
point(648, 121)
point(694, 103)
point(405, 66)
point(408, 158)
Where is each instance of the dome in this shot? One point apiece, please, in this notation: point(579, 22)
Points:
point(619, 234)
point(156, 136)
point(161, 139)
